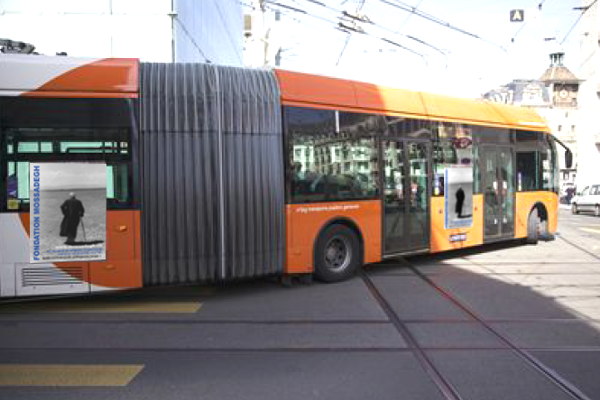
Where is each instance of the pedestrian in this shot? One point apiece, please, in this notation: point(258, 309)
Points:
point(570, 192)
point(72, 210)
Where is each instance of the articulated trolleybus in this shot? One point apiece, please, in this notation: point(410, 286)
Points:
point(116, 174)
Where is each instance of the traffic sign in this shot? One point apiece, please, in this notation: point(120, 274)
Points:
point(517, 15)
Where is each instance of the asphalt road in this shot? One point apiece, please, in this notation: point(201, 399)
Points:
point(505, 322)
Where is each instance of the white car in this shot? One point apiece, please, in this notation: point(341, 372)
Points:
point(587, 200)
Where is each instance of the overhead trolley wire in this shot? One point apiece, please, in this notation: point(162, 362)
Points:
point(347, 28)
point(403, 24)
point(512, 40)
point(184, 29)
point(408, 8)
point(583, 9)
point(358, 8)
point(389, 41)
point(231, 41)
point(298, 10)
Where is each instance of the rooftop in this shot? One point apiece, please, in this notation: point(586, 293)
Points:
point(557, 72)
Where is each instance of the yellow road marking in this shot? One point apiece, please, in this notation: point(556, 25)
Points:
point(592, 230)
point(186, 307)
point(67, 375)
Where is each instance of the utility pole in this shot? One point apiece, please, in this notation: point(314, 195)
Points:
point(261, 40)
point(255, 52)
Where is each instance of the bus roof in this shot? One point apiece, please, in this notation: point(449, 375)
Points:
point(319, 91)
point(59, 76)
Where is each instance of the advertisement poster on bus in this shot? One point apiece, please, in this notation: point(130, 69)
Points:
point(458, 194)
point(67, 212)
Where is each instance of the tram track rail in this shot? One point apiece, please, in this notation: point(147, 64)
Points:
point(580, 248)
point(444, 386)
point(523, 354)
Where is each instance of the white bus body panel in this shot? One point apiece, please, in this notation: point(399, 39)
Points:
point(20, 278)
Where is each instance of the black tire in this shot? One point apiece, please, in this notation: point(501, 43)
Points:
point(574, 209)
point(337, 254)
point(533, 223)
point(543, 231)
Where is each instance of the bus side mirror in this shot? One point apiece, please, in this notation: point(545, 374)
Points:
point(568, 159)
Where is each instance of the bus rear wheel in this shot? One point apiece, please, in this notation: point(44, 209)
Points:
point(337, 254)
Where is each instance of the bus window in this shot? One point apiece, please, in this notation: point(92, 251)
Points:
point(476, 171)
point(551, 155)
point(453, 148)
point(329, 163)
point(117, 185)
point(537, 167)
point(527, 170)
point(407, 128)
point(25, 145)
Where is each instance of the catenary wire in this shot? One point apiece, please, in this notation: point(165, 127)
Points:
point(345, 28)
point(227, 31)
point(512, 40)
point(408, 8)
point(403, 24)
point(184, 29)
point(358, 9)
point(410, 37)
point(583, 11)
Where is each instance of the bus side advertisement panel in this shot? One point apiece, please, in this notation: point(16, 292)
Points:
point(443, 239)
point(122, 268)
point(305, 222)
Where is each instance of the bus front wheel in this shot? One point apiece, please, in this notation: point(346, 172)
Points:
point(533, 227)
point(337, 254)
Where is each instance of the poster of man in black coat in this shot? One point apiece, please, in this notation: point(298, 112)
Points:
point(459, 197)
point(67, 211)
point(72, 210)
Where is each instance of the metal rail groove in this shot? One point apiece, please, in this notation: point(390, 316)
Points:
point(597, 257)
point(547, 372)
point(447, 390)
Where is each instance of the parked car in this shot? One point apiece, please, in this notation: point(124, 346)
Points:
point(587, 200)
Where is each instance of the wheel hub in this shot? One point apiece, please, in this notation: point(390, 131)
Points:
point(337, 254)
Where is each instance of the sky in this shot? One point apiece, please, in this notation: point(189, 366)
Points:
point(73, 176)
point(485, 50)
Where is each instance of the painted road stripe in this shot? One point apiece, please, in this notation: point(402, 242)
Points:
point(185, 307)
point(592, 230)
point(67, 375)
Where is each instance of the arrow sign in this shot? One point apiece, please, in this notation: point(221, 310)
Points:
point(517, 15)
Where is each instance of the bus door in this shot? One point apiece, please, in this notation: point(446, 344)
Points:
point(405, 196)
point(499, 192)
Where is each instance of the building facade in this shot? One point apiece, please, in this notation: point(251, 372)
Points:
point(555, 97)
point(589, 96)
point(151, 30)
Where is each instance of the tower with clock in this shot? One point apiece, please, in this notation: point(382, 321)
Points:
point(562, 112)
point(563, 85)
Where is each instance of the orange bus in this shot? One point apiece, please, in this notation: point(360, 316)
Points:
point(195, 173)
